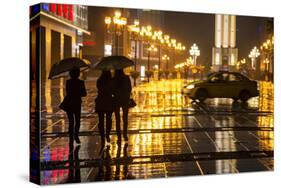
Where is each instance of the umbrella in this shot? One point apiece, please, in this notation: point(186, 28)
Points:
point(114, 62)
point(61, 68)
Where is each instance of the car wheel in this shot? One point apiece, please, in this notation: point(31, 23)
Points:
point(244, 96)
point(201, 95)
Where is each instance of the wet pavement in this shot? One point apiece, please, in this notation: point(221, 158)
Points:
point(169, 135)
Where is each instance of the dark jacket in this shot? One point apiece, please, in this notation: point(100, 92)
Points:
point(75, 89)
point(104, 100)
point(122, 90)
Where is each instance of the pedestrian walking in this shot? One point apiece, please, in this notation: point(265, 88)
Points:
point(105, 104)
point(122, 91)
point(75, 90)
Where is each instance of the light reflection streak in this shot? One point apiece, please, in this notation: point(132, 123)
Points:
point(48, 97)
point(164, 97)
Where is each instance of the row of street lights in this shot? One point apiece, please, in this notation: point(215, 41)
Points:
point(190, 63)
point(155, 40)
point(115, 25)
point(253, 55)
point(266, 53)
point(267, 57)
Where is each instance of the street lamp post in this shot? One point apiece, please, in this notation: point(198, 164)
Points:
point(108, 21)
point(161, 42)
point(174, 43)
point(179, 47)
point(159, 61)
point(118, 23)
point(254, 54)
point(194, 52)
point(267, 49)
point(135, 30)
point(266, 67)
point(242, 64)
point(189, 63)
point(166, 58)
point(152, 48)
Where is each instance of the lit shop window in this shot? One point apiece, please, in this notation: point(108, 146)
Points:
point(142, 72)
point(107, 50)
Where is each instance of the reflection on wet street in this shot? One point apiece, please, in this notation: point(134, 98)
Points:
point(169, 135)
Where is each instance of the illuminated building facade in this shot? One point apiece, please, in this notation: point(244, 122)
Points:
point(56, 32)
point(224, 52)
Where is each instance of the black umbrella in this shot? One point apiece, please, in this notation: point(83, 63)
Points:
point(114, 62)
point(61, 68)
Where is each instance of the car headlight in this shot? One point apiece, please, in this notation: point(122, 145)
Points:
point(190, 86)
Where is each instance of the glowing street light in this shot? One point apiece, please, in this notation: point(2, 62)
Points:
point(254, 54)
point(117, 14)
point(166, 58)
point(107, 21)
point(266, 61)
point(194, 52)
point(119, 23)
point(152, 48)
point(166, 37)
point(135, 31)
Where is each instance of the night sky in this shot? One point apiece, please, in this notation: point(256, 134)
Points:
point(196, 28)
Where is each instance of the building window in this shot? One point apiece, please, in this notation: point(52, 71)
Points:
point(67, 48)
point(43, 51)
point(107, 50)
point(217, 60)
point(142, 72)
point(55, 47)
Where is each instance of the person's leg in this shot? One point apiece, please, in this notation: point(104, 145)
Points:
point(108, 125)
point(125, 122)
point(117, 119)
point(77, 125)
point(101, 126)
point(70, 117)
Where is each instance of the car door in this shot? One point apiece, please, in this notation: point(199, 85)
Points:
point(216, 86)
point(235, 84)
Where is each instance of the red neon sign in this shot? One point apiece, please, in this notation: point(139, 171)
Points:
point(65, 11)
point(89, 43)
point(53, 7)
point(70, 12)
point(59, 9)
point(62, 10)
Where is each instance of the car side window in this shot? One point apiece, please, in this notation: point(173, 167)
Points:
point(234, 78)
point(215, 78)
point(225, 77)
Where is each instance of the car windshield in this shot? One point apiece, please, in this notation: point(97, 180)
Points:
point(225, 77)
point(216, 77)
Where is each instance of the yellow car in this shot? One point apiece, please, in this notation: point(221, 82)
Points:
point(222, 85)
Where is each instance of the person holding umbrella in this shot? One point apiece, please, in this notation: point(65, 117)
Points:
point(104, 104)
point(121, 89)
point(75, 89)
point(122, 92)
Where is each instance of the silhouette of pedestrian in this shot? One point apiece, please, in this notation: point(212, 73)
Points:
point(75, 90)
point(122, 91)
point(104, 104)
